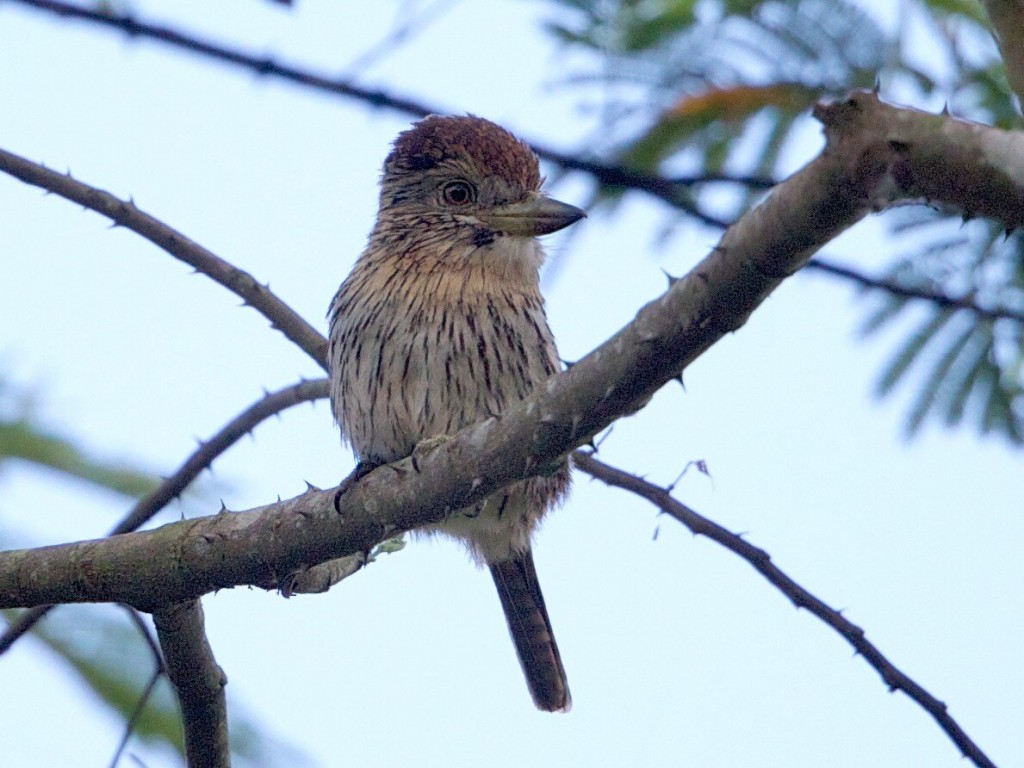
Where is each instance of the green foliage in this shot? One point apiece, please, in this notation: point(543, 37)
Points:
point(963, 363)
point(722, 86)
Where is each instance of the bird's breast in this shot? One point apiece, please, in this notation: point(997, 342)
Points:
point(417, 359)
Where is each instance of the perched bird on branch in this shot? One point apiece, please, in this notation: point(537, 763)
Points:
point(441, 324)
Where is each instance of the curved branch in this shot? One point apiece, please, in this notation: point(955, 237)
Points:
point(184, 560)
point(126, 214)
point(144, 510)
point(269, 405)
point(761, 561)
point(667, 190)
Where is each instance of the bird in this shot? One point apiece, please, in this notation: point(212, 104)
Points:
point(441, 324)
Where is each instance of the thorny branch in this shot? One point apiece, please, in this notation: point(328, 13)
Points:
point(800, 597)
point(124, 213)
point(670, 191)
point(755, 255)
point(172, 486)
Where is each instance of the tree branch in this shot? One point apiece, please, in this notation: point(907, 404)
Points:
point(198, 680)
point(126, 214)
point(668, 190)
point(270, 405)
point(800, 597)
point(175, 484)
point(185, 560)
point(894, 288)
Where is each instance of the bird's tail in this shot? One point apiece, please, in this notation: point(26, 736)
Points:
point(530, 627)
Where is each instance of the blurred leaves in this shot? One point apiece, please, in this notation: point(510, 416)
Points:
point(22, 440)
point(21, 437)
point(962, 364)
point(722, 87)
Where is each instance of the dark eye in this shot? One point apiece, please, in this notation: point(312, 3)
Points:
point(459, 193)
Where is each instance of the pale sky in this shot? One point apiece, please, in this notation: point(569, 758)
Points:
point(676, 651)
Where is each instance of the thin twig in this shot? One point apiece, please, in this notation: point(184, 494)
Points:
point(667, 190)
point(124, 213)
point(136, 714)
point(940, 299)
point(800, 597)
point(147, 691)
point(270, 405)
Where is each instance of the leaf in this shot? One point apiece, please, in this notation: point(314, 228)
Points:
point(929, 396)
point(695, 112)
point(22, 440)
point(911, 351)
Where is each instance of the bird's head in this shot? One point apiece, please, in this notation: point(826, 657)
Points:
point(470, 180)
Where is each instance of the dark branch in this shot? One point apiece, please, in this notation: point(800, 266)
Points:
point(270, 405)
point(667, 190)
point(125, 214)
point(800, 597)
point(894, 288)
point(171, 487)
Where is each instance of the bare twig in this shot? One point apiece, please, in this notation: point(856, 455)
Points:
point(136, 713)
point(198, 680)
point(147, 691)
point(172, 486)
point(269, 405)
point(894, 288)
point(800, 597)
point(664, 189)
point(125, 213)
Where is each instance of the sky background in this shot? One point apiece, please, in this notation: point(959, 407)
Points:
point(677, 652)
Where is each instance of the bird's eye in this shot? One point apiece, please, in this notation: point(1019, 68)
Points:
point(459, 193)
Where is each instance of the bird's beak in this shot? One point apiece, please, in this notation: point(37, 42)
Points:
point(537, 215)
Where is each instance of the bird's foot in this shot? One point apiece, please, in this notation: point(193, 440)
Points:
point(426, 447)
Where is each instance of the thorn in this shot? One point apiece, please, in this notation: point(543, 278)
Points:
point(569, 364)
point(945, 109)
point(131, 200)
point(279, 498)
point(966, 217)
point(223, 507)
point(1007, 233)
point(679, 378)
point(310, 487)
point(672, 279)
point(877, 88)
